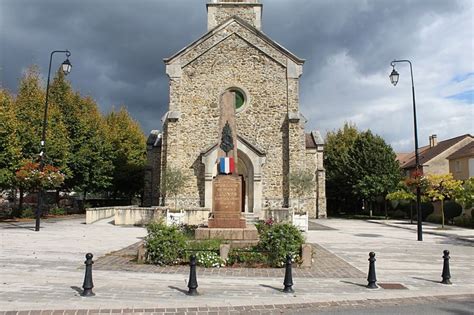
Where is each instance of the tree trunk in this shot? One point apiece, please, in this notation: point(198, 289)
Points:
point(57, 197)
point(442, 214)
point(20, 202)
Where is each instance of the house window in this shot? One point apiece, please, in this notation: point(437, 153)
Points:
point(457, 166)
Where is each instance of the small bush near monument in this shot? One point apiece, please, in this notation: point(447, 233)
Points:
point(279, 240)
point(247, 257)
point(164, 244)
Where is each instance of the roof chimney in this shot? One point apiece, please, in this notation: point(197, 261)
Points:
point(433, 140)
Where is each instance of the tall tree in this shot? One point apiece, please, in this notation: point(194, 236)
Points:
point(129, 146)
point(336, 160)
point(372, 170)
point(90, 160)
point(29, 107)
point(10, 149)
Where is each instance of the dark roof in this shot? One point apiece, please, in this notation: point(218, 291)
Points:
point(310, 144)
point(467, 150)
point(427, 153)
point(153, 138)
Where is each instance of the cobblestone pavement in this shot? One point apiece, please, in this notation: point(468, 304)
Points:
point(325, 265)
point(44, 271)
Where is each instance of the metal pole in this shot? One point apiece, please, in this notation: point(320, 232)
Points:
point(43, 140)
point(417, 157)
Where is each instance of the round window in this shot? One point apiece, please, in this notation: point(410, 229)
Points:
point(239, 98)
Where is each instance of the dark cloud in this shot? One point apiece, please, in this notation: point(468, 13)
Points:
point(118, 46)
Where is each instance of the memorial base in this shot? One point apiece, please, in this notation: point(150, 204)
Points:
point(238, 237)
point(227, 223)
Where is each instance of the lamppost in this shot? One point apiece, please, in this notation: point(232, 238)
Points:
point(394, 79)
point(66, 68)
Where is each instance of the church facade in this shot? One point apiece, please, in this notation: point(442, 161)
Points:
point(236, 56)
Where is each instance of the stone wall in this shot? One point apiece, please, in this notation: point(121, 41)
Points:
point(250, 12)
point(96, 214)
point(134, 215)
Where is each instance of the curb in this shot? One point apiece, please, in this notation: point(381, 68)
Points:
point(254, 309)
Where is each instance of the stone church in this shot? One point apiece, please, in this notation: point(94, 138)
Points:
point(236, 56)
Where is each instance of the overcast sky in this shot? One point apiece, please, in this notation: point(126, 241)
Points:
point(118, 46)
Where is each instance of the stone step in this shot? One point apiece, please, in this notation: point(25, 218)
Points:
point(251, 217)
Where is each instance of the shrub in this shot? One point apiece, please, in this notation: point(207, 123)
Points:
point(464, 221)
point(213, 245)
point(279, 240)
point(427, 208)
point(57, 211)
point(399, 214)
point(165, 245)
point(434, 218)
point(27, 213)
point(247, 257)
point(451, 210)
point(188, 230)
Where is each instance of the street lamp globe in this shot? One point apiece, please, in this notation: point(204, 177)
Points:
point(66, 66)
point(394, 77)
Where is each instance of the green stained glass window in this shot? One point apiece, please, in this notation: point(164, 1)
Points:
point(239, 99)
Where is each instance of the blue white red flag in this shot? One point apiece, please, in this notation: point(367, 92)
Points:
point(226, 165)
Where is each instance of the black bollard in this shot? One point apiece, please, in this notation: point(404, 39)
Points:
point(371, 278)
point(88, 284)
point(446, 273)
point(288, 282)
point(192, 283)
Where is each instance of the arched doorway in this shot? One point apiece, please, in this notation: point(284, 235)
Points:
point(245, 169)
point(250, 164)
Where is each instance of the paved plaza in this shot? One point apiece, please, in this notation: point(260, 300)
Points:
point(44, 271)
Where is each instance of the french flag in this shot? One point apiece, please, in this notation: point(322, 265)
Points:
point(226, 165)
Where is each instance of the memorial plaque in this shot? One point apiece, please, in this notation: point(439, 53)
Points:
point(227, 202)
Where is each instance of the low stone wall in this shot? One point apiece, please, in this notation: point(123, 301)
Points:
point(135, 215)
point(96, 214)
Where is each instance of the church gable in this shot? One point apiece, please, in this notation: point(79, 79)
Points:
point(235, 53)
point(252, 36)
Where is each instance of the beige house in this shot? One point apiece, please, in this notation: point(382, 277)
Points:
point(461, 162)
point(447, 156)
point(235, 55)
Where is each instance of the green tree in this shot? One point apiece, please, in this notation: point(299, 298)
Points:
point(29, 107)
point(91, 154)
point(129, 145)
point(441, 187)
point(465, 196)
point(372, 170)
point(301, 184)
point(10, 149)
point(336, 160)
point(92, 151)
point(173, 182)
point(29, 112)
